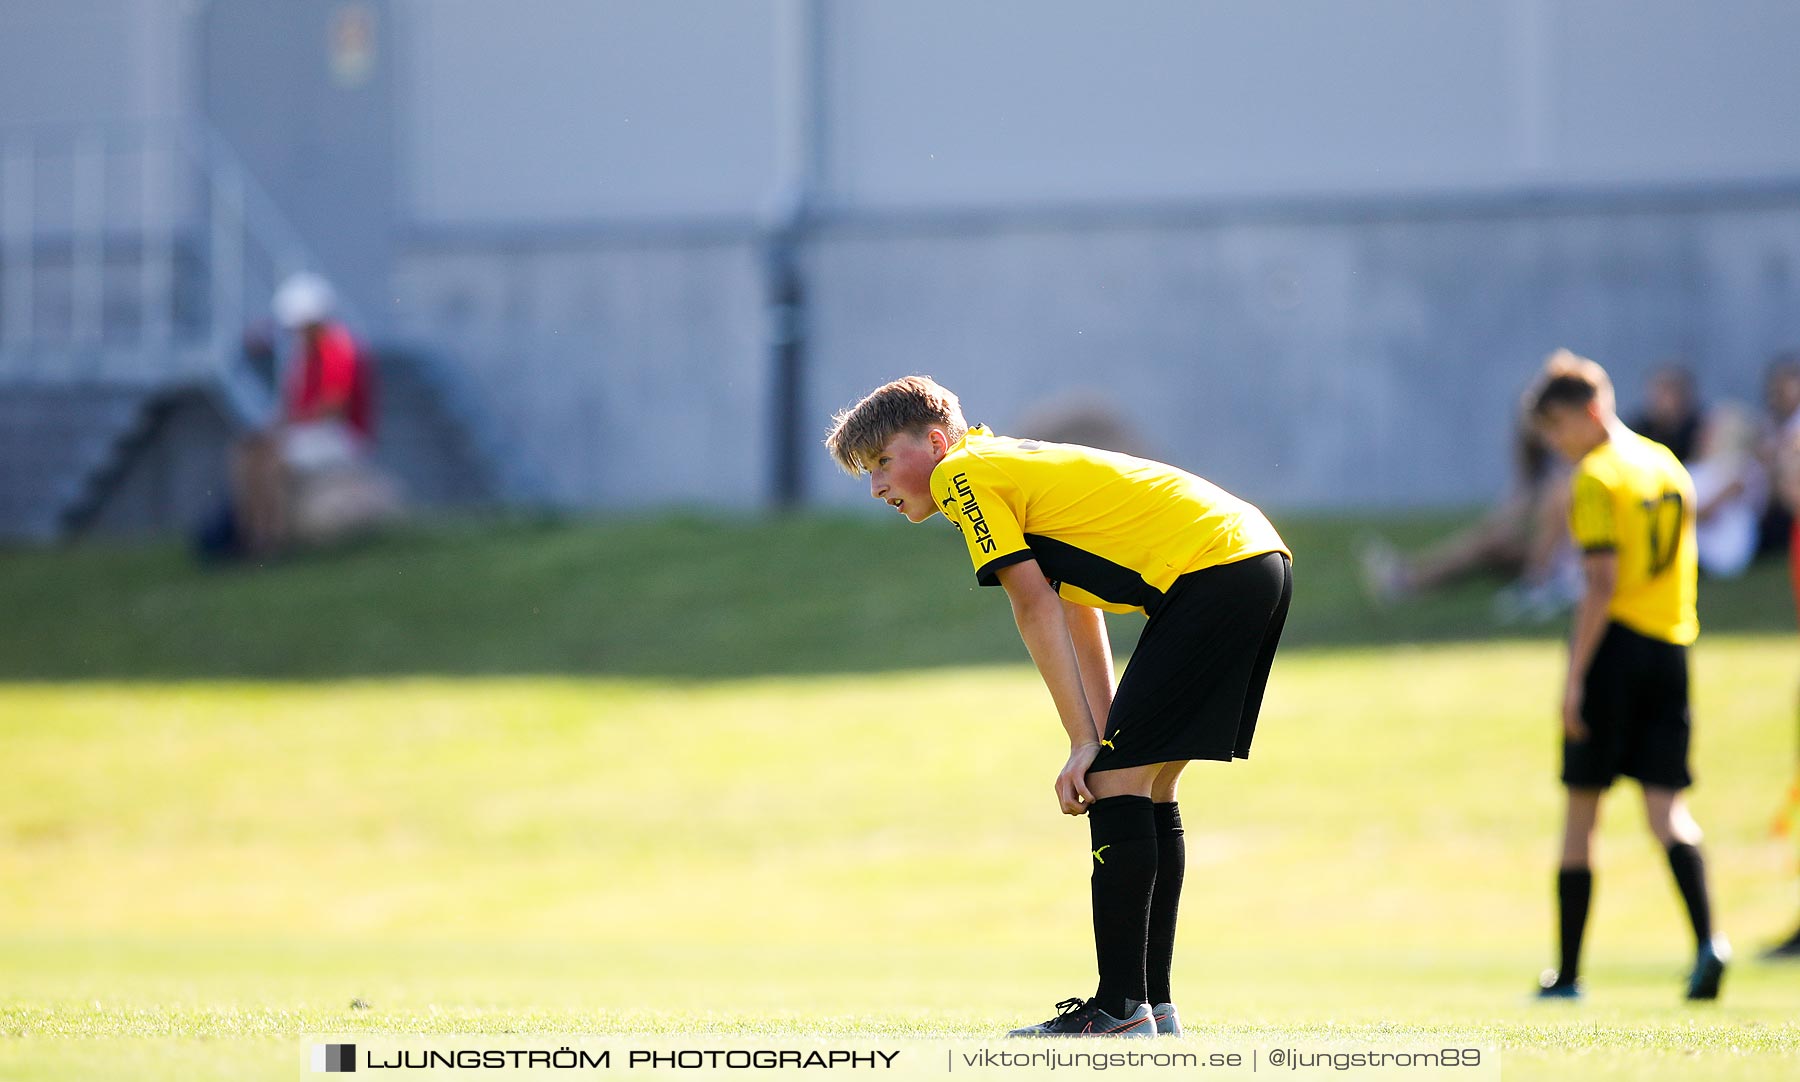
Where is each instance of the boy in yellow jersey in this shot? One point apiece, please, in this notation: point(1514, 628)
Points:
point(1069, 531)
point(1625, 699)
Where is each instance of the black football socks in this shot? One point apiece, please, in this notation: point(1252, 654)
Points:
point(1690, 877)
point(1123, 829)
point(1165, 899)
point(1574, 888)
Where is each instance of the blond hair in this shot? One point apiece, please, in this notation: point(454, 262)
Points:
point(1570, 379)
point(912, 404)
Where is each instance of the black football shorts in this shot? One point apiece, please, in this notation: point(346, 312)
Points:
point(1635, 705)
point(1194, 685)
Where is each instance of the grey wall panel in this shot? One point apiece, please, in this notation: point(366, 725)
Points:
point(938, 102)
point(565, 110)
point(1749, 285)
point(320, 143)
point(580, 109)
point(626, 376)
point(80, 61)
point(65, 61)
point(1360, 347)
point(1327, 364)
point(1671, 90)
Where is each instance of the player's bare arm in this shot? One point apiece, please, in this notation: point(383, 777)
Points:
point(1093, 653)
point(1039, 613)
point(1600, 576)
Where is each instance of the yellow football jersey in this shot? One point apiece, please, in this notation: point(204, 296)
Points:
point(1112, 531)
point(1632, 496)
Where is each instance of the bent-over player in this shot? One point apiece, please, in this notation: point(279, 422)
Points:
point(1069, 531)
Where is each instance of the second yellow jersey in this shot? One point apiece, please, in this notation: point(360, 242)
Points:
point(1113, 531)
point(1632, 496)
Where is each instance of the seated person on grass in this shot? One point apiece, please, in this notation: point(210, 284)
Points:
point(310, 478)
point(1522, 538)
point(1730, 491)
point(1069, 531)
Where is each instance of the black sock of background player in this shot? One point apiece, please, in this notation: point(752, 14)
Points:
point(1123, 829)
point(1165, 899)
point(1690, 876)
point(1574, 887)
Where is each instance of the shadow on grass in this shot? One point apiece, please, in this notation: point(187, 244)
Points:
point(678, 596)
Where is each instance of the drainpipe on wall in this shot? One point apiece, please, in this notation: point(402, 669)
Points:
point(799, 126)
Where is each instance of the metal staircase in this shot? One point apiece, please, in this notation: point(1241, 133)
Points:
point(132, 259)
point(53, 437)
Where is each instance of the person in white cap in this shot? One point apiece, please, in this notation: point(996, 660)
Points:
point(309, 476)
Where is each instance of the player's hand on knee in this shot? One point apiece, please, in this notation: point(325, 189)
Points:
point(1072, 799)
point(1071, 784)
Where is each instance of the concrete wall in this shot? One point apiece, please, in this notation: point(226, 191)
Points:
point(313, 120)
point(566, 111)
point(1313, 248)
point(1336, 359)
point(66, 67)
point(73, 61)
point(627, 374)
point(1331, 356)
point(611, 110)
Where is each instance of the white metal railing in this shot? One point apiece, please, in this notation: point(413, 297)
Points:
point(133, 251)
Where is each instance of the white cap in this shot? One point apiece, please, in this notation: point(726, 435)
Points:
point(304, 298)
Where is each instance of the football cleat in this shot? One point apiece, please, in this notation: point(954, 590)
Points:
point(1552, 986)
point(1709, 969)
point(1168, 1023)
point(1084, 1018)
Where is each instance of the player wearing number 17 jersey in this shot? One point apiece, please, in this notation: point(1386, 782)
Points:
point(1625, 699)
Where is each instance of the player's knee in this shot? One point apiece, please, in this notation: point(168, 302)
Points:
point(1129, 781)
point(1167, 780)
point(1677, 827)
point(1669, 819)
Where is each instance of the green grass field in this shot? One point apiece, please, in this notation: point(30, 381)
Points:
point(561, 781)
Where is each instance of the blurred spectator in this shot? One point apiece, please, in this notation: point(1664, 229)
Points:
point(1787, 488)
point(1731, 490)
point(1786, 475)
point(1781, 391)
point(1084, 417)
point(1524, 537)
point(309, 478)
point(1671, 414)
point(1781, 398)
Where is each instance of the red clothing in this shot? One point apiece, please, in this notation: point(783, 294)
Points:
point(1794, 561)
point(330, 376)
